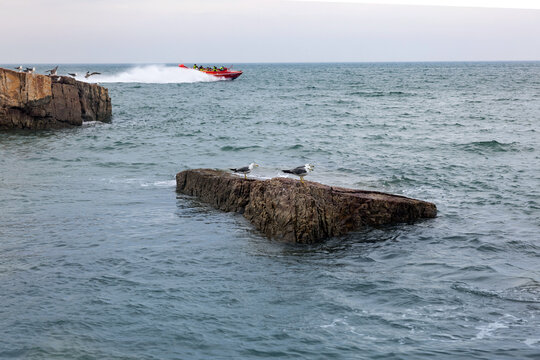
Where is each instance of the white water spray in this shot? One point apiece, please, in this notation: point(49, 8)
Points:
point(152, 74)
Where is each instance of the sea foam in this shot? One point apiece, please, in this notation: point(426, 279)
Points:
point(153, 74)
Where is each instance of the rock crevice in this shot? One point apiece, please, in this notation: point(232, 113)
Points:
point(33, 101)
point(285, 209)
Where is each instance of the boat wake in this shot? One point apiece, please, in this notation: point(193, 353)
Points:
point(152, 74)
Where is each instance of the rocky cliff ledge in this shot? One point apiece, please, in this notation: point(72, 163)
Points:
point(33, 101)
point(285, 209)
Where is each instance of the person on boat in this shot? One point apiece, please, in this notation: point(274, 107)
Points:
point(221, 68)
point(215, 68)
point(195, 66)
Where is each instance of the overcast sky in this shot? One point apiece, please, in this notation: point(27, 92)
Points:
point(225, 31)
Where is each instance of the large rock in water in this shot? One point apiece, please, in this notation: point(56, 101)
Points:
point(306, 213)
point(33, 101)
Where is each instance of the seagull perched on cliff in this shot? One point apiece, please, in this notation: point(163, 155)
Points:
point(30, 70)
point(245, 170)
point(52, 71)
point(88, 74)
point(19, 68)
point(300, 171)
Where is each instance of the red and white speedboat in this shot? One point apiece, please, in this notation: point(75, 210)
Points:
point(226, 73)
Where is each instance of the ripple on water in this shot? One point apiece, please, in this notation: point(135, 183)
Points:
point(101, 259)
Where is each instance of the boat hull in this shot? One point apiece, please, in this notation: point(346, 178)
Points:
point(222, 74)
point(227, 74)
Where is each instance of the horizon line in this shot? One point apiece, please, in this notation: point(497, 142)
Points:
point(277, 62)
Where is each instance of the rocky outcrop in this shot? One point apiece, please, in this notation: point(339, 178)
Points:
point(285, 209)
point(33, 101)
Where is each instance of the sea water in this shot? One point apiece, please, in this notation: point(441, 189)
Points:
point(100, 258)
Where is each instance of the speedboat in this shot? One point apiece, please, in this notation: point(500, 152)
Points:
point(226, 73)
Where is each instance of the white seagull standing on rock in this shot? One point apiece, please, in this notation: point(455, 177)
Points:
point(19, 68)
point(245, 170)
point(300, 171)
point(30, 70)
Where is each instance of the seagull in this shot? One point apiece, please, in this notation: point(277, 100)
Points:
point(53, 71)
point(19, 68)
point(29, 70)
point(88, 74)
point(300, 171)
point(245, 170)
point(72, 74)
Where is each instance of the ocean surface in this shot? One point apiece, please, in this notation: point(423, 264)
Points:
point(101, 259)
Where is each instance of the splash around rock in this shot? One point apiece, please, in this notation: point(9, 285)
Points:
point(287, 210)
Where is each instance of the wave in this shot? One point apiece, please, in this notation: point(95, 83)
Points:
point(295, 147)
point(163, 183)
point(153, 74)
point(528, 292)
point(493, 145)
point(380, 93)
point(487, 330)
point(238, 148)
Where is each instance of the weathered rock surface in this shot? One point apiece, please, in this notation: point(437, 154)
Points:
point(33, 101)
point(285, 209)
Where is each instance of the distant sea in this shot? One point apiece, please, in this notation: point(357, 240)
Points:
point(101, 259)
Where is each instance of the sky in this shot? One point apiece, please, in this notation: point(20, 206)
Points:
point(240, 31)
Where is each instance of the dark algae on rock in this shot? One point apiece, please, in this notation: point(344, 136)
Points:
point(307, 213)
point(33, 101)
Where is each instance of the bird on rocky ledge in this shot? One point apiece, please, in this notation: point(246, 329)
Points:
point(52, 71)
point(30, 70)
point(88, 74)
point(300, 171)
point(19, 68)
point(245, 170)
